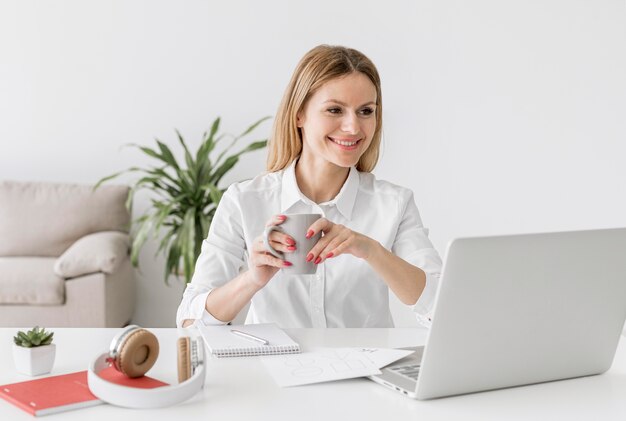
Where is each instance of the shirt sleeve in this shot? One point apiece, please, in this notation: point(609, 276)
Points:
point(413, 245)
point(223, 254)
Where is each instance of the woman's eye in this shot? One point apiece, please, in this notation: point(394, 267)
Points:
point(334, 110)
point(367, 111)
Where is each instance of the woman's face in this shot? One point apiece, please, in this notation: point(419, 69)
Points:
point(339, 120)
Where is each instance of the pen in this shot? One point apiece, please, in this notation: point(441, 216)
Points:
point(249, 336)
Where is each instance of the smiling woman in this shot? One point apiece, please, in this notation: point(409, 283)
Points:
point(324, 145)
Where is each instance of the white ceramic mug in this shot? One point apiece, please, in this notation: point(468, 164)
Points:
point(296, 226)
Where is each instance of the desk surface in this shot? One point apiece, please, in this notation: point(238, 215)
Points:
point(241, 388)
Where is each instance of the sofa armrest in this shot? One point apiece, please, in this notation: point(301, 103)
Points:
point(99, 252)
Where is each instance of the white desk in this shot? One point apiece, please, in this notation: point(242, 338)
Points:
point(241, 389)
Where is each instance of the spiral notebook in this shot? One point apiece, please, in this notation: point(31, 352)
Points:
point(222, 342)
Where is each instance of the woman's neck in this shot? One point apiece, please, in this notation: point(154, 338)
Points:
point(320, 181)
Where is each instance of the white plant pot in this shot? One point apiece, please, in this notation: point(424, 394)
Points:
point(34, 361)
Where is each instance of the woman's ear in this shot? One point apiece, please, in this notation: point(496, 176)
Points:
point(299, 119)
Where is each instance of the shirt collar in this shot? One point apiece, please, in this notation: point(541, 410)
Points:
point(345, 199)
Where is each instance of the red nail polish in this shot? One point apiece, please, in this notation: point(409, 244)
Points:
point(329, 255)
point(286, 263)
point(319, 259)
point(291, 248)
point(309, 234)
point(309, 257)
point(282, 217)
point(291, 242)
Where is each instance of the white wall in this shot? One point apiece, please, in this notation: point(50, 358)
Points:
point(502, 116)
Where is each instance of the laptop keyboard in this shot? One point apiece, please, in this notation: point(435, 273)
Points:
point(411, 371)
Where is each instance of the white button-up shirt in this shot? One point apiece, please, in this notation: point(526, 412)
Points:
point(345, 291)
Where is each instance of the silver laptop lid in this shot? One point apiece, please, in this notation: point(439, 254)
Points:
point(522, 309)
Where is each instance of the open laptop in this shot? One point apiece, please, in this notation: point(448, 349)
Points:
point(517, 310)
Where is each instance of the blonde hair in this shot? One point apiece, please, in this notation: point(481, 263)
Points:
point(318, 66)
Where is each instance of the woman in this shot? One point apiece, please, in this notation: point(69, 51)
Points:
point(325, 143)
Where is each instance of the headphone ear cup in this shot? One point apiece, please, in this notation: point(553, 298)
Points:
point(184, 358)
point(138, 353)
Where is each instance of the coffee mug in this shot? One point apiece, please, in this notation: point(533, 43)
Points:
point(296, 226)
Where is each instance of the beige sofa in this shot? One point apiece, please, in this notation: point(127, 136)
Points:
point(64, 255)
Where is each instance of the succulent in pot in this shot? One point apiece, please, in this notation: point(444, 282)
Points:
point(33, 351)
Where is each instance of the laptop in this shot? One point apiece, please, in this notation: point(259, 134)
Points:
point(517, 310)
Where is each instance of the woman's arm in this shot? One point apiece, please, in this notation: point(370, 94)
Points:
point(226, 301)
point(404, 279)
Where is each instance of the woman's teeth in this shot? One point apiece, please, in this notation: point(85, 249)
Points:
point(343, 143)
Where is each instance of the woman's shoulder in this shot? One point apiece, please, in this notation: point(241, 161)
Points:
point(372, 185)
point(262, 182)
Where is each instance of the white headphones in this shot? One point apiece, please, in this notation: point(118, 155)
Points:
point(133, 352)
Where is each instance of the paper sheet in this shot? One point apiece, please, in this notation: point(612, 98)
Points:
point(328, 364)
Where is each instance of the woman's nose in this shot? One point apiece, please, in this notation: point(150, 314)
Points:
point(350, 123)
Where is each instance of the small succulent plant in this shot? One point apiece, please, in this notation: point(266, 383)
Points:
point(33, 338)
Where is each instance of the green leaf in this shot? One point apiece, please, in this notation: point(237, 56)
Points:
point(208, 143)
point(223, 169)
point(215, 193)
point(112, 176)
point(254, 126)
point(165, 240)
point(129, 199)
point(188, 159)
point(173, 258)
point(247, 131)
point(164, 174)
point(187, 242)
point(150, 152)
point(140, 239)
point(167, 154)
point(232, 160)
point(259, 144)
point(165, 211)
point(47, 339)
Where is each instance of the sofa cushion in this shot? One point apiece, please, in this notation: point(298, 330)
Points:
point(44, 219)
point(30, 280)
point(99, 252)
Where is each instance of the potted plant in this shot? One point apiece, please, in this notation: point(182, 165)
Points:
point(33, 351)
point(185, 196)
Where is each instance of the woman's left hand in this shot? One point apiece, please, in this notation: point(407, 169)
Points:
point(337, 240)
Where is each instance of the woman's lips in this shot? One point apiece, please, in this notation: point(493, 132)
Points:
point(345, 144)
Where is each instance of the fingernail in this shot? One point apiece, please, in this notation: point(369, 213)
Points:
point(291, 242)
point(309, 234)
point(309, 257)
point(291, 248)
point(329, 255)
point(319, 259)
point(282, 217)
point(286, 263)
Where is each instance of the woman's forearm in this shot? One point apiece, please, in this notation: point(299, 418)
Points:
point(404, 279)
point(225, 302)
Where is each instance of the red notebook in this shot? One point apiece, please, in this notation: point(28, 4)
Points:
point(53, 394)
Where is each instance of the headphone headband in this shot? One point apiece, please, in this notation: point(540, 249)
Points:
point(114, 348)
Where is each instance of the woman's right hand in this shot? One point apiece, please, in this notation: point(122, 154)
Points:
point(262, 264)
